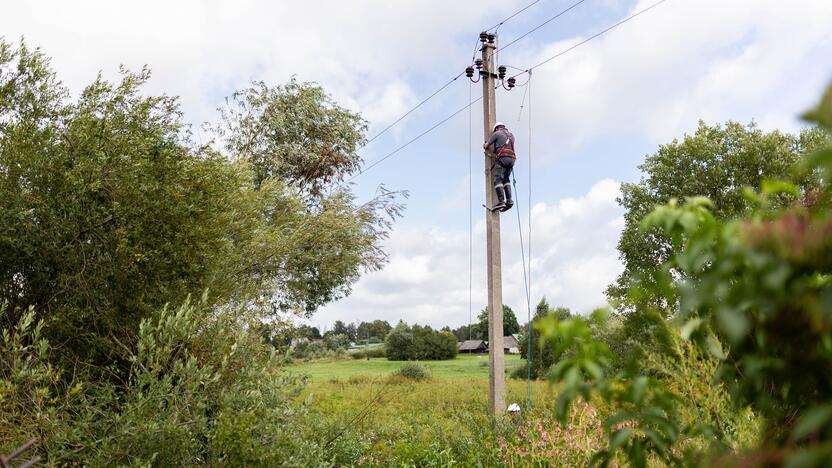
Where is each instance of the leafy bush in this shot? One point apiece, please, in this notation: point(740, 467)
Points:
point(367, 353)
point(201, 388)
point(337, 342)
point(399, 343)
point(760, 284)
point(405, 343)
point(413, 371)
point(519, 373)
point(541, 350)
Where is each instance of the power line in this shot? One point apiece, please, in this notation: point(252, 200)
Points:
point(558, 15)
point(594, 36)
point(513, 15)
point(411, 141)
point(413, 109)
point(446, 84)
point(640, 12)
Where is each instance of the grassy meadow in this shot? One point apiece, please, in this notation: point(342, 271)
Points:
point(464, 367)
point(387, 421)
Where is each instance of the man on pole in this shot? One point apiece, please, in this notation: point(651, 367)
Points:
point(502, 144)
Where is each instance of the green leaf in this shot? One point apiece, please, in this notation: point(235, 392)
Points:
point(714, 347)
point(812, 420)
point(562, 405)
point(809, 458)
point(774, 187)
point(655, 438)
point(733, 323)
point(690, 327)
point(638, 389)
point(593, 369)
point(619, 438)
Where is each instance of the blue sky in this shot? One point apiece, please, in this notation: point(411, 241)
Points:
point(597, 111)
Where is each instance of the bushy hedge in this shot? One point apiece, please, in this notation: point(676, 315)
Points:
point(376, 352)
point(202, 389)
point(417, 343)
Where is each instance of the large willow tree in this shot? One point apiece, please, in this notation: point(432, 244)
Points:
point(108, 210)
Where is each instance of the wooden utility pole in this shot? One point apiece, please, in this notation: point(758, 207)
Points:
point(496, 360)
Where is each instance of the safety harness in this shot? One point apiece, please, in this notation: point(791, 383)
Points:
point(507, 150)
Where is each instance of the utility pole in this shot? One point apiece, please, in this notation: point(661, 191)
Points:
point(496, 359)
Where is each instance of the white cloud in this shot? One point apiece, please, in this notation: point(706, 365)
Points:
point(573, 260)
point(656, 76)
point(369, 54)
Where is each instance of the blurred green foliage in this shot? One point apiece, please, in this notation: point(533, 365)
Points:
point(752, 296)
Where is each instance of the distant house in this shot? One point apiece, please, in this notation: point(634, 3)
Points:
point(473, 346)
point(511, 345)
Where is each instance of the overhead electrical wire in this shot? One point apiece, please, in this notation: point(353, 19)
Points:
point(410, 142)
point(558, 15)
point(477, 43)
point(559, 54)
point(513, 15)
point(412, 109)
point(422, 102)
point(599, 33)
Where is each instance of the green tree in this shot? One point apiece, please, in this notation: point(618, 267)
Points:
point(464, 332)
point(541, 351)
point(716, 162)
point(108, 210)
point(338, 328)
point(294, 132)
point(510, 323)
point(352, 332)
point(405, 343)
point(337, 341)
point(374, 331)
point(399, 344)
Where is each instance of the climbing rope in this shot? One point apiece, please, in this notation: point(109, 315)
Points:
point(527, 274)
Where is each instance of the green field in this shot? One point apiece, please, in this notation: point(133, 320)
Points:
point(464, 367)
point(442, 421)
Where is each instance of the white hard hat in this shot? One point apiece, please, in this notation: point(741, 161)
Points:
point(498, 124)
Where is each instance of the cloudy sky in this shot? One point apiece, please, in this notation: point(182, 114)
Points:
point(596, 111)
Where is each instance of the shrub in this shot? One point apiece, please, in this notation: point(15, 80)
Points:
point(519, 373)
point(405, 343)
point(202, 388)
point(337, 342)
point(399, 343)
point(367, 353)
point(413, 371)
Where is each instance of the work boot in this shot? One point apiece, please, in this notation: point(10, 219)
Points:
point(501, 198)
point(509, 202)
point(501, 193)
